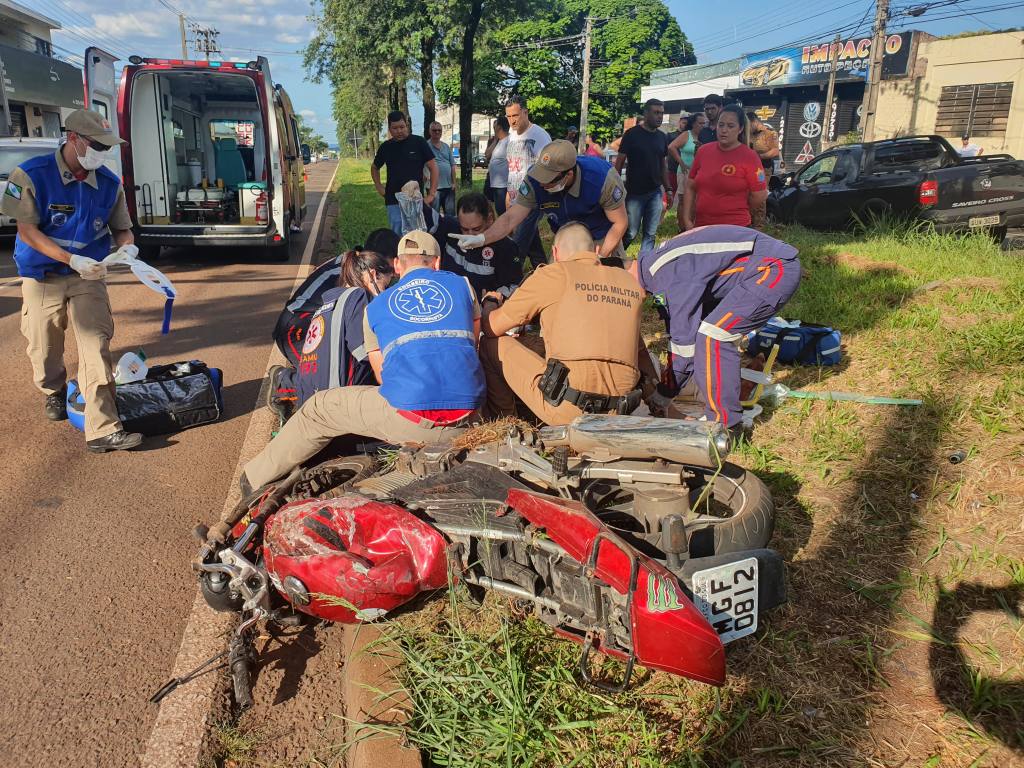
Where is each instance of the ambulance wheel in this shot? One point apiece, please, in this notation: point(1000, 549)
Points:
point(279, 252)
point(149, 253)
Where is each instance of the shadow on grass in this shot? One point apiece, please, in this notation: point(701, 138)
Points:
point(993, 705)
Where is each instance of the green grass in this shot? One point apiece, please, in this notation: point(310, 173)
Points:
point(885, 654)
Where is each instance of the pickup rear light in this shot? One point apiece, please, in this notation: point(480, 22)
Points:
point(928, 193)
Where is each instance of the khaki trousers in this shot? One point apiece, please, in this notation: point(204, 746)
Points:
point(332, 413)
point(47, 306)
point(512, 369)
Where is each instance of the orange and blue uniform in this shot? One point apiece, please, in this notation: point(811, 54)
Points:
point(713, 285)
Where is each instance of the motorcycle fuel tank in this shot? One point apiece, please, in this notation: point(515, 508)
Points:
point(370, 556)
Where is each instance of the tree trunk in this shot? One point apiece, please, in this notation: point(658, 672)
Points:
point(466, 95)
point(393, 102)
point(402, 83)
point(427, 45)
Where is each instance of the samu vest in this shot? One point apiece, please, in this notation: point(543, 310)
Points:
point(332, 353)
point(424, 325)
point(561, 207)
point(73, 215)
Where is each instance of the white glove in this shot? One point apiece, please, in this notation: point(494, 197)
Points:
point(88, 268)
point(466, 242)
point(126, 254)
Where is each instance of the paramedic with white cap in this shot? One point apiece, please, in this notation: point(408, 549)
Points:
point(70, 209)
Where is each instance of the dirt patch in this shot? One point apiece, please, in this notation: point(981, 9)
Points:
point(853, 261)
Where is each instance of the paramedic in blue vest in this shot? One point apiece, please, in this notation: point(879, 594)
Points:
point(713, 285)
point(71, 213)
point(565, 187)
point(332, 352)
point(421, 340)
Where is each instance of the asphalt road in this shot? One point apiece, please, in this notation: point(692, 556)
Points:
point(95, 584)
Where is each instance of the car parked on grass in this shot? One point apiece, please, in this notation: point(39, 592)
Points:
point(14, 152)
point(918, 177)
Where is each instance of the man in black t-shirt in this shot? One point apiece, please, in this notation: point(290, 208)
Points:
point(713, 104)
point(644, 149)
point(404, 156)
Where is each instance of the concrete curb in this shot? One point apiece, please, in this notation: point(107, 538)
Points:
point(370, 679)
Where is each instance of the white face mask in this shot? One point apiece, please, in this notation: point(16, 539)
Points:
point(92, 158)
point(556, 189)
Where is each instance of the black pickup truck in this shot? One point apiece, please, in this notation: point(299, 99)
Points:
point(918, 176)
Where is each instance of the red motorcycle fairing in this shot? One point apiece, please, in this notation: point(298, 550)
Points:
point(374, 556)
point(668, 631)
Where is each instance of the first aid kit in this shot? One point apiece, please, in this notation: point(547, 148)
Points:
point(169, 399)
point(804, 343)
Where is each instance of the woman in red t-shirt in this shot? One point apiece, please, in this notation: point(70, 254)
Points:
point(726, 183)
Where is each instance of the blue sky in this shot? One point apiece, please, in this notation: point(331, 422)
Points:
point(279, 28)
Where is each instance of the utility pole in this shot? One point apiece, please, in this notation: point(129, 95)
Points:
point(181, 28)
point(873, 85)
point(581, 142)
point(833, 54)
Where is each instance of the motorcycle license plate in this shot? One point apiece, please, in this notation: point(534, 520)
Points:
point(983, 221)
point(727, 596)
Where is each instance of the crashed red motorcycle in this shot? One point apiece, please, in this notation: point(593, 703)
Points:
point(628, 535)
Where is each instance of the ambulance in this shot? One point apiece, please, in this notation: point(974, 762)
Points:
point(213, 156)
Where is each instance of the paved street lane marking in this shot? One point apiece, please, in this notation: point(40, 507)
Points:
point(181, 724)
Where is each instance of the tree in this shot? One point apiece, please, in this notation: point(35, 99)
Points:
point(631, 38)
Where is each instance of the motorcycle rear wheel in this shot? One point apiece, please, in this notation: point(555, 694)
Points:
point(731, 511)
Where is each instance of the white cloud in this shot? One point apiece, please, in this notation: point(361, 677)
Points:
point(309, 116)
point(120, 26)
point(289, 39)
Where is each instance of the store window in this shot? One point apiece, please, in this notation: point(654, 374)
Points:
point(974, 110)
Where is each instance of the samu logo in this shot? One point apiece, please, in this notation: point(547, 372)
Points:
point(662, 595)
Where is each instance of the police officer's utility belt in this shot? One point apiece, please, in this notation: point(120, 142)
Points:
point(554, 385)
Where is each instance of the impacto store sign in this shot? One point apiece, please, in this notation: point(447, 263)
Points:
point(812, 63)
point(29, 77)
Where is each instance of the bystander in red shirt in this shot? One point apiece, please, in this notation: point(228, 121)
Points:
point(723, 180)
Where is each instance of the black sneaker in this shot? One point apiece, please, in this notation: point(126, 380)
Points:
point(117, 441)
point(56, 408)
point(280, 408)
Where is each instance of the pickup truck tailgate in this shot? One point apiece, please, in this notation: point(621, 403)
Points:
point(978, 194)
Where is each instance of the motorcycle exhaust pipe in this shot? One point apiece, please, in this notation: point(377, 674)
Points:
point(701, 443)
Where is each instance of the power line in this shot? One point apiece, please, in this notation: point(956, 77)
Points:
point(69, 17)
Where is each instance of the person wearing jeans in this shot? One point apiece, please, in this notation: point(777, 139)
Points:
point(644, 149)
point(405, 157)
point(644, 210)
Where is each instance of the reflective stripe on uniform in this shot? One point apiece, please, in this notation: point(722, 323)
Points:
point(76, 244)
point(718, 333)
point(476, 269)
point(452, 334)
point(699, 248)
point(337, 323)
point(359, 353)
point(683, 350)
point(312, 288)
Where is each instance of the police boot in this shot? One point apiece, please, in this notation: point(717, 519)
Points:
point(56, 408)
point(116, 441)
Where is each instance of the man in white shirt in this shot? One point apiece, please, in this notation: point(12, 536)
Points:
point(445, 159)
point(525, 141)
point(967, 149)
